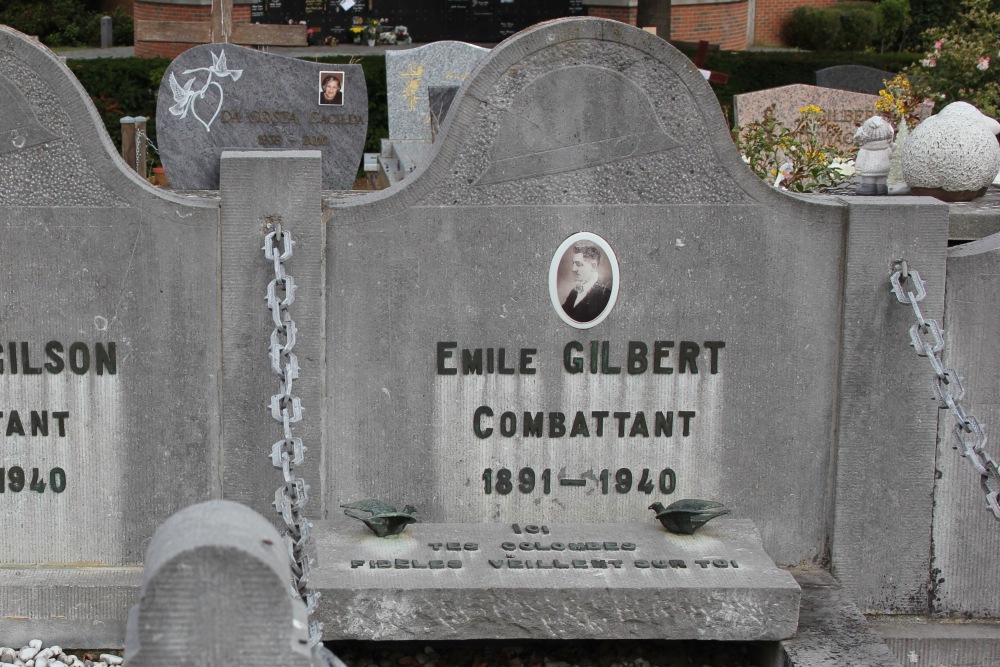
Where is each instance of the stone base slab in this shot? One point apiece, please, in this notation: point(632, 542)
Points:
point(575, 581)
point(473, 581)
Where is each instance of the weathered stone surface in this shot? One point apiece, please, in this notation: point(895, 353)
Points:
point(832, 632)
point(462, 256)
point(411, 72)
point(217, 588)
point(847, 109)
point(259, 184)
point(221, 96)
point(857, 78)
point(882, 517)
point(922, 642)
point(109, 295)
point(628, 581)
point(965, 537)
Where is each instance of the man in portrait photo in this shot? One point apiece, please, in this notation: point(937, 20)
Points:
point(589, 296)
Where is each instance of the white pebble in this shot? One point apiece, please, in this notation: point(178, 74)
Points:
point(45, 653)
point(111, 659)
point(56, 650)
point(27, 653)
point(58, 663)
point(7, 664)
point(35, 643)
point(41, 662)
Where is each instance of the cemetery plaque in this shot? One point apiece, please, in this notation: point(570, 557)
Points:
point(220, 96)
point(847, 109)
point(408, 75)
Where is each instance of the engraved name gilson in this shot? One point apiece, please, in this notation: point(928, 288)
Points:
point(51, 358)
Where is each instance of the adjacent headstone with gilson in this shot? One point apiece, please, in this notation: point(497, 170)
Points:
point(221, 96)
point(846, 109)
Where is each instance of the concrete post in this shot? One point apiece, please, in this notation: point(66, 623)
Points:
point(106, 34)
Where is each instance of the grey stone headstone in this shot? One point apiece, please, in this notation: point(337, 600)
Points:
point(217, 589)
point(584, 127)
point(109, 327)
point(106, 32)
point(410, 72)
point(858, 78)
point(846, 109)
point(220, 96)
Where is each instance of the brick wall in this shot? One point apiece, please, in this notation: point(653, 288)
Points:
point(722, 24)
point(153, 11)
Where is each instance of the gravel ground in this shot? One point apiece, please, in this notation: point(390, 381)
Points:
point(586, 653)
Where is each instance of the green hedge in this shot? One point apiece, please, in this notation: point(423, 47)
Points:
point(128, 86)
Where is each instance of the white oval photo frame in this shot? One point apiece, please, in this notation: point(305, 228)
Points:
point(560, 284)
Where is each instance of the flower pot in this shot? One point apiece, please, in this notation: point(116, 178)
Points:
point(371, 42)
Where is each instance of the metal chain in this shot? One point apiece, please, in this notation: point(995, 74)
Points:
point(927, 338)
point(288, 453)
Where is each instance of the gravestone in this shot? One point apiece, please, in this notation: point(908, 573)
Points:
point(220, 96)
point(410, 72)
point(857, 78)
point(414, 121)
point(730, 342)
point(848, 110)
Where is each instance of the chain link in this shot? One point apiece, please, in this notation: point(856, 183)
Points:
point(289, 453)
point(948, 388)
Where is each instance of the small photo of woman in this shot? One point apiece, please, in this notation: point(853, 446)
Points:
point(331, 88)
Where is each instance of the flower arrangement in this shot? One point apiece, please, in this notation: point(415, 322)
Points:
point(372, 29)
point(897, 102)
point(958, 66)
point(801, 158)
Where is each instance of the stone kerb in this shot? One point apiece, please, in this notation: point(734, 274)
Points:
point(110, 296)
point(584, 126)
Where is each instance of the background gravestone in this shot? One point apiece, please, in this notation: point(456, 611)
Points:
point(846, 109)
point(408, 74)
point(413, 122)
point(220, 96)
point(858, 78)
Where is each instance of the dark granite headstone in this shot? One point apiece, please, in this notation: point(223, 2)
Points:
point(218, 96)
point(857, 78)
point(439, 98)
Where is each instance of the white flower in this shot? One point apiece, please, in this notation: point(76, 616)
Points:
point(928, 62)
point(844, 168)
point(983, 64)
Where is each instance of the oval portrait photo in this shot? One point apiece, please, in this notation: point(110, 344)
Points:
point(583, 280)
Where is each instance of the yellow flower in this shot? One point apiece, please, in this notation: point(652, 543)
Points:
point(811, 108)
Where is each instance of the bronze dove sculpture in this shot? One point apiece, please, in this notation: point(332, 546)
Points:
point(384, 520)
point(686, 516)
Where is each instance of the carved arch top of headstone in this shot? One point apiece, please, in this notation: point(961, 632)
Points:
point(54, 150)
point(583, 111)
